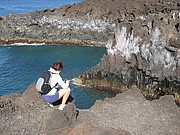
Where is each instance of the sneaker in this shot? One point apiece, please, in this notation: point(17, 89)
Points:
point(51, 105)
point(61, 107)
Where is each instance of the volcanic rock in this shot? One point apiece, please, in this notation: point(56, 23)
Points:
point(131, 112)
point(145, 51)
point(27, 113)
point(125, 114)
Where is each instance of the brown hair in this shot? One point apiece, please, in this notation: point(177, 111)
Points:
point(58, 65)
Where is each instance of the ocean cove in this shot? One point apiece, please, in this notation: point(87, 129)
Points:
point(20, 66)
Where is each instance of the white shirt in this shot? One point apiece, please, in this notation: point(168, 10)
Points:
point(56, 79)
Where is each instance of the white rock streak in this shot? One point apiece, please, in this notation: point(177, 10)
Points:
point(153, 52)
point(94, 25)
point(126, 44)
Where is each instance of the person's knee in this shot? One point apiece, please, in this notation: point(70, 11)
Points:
point(68, 90)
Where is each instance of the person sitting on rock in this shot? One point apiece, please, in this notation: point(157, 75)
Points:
point(61, 90)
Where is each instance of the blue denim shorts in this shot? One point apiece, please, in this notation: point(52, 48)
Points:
point(52, 98)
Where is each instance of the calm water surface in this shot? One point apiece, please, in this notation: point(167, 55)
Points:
point(21, 66)
point(25, 6)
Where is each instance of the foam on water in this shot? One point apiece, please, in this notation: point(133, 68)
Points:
point(26, 44)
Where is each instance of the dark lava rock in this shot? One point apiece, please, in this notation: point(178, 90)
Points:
point(88, 22)
point(144, 50)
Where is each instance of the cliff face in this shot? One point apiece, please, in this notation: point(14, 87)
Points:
point(145, 51)
point(89, 22)
point(61, 26)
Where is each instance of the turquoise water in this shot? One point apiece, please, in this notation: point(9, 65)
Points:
point(21, 66)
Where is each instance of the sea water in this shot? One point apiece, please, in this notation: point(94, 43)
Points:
point(25, 6)
point(21, 66)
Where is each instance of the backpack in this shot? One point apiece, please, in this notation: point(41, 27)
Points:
point(42, 84)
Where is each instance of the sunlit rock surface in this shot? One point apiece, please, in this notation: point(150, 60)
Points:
point(127, 113)
point(145, 50)
point(131, 112)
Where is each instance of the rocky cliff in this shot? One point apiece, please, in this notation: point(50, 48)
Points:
point(27, 113)
point(127, 113)
point(69, 24)
point(144, 45)
point(145, 50)
point(89, 22)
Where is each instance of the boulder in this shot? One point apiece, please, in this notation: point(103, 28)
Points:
point(27, 113)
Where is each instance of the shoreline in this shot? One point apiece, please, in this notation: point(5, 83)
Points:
point(140, 56)
point(25, 41)
point(44, 44)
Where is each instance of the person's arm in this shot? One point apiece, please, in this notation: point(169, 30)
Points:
point(63, 84)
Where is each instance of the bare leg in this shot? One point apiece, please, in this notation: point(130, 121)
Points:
point(65, 94)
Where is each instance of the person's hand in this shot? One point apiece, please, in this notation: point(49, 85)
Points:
point(68, 81)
